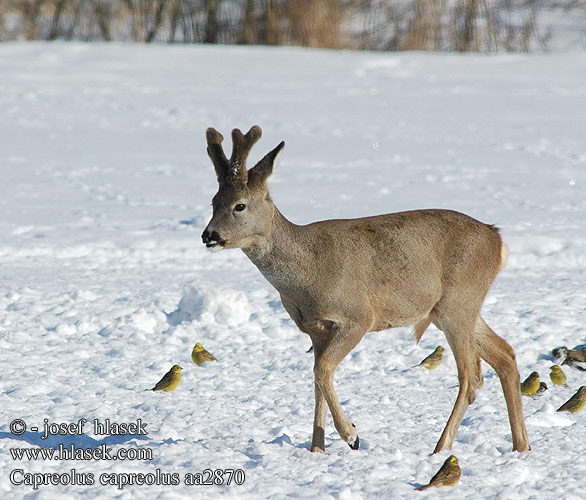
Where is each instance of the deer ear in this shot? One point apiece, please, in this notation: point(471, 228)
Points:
point(262, 172)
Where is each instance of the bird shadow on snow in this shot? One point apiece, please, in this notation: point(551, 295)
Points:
point(79, 441)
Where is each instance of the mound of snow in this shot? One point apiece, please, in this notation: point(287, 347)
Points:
point(208, 305)
point(547, 417)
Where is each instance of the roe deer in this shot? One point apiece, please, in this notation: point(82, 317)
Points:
point(339, 279)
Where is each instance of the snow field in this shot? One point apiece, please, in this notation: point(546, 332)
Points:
point(104, 282)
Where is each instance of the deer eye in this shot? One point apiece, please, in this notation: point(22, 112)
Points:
point(239, 207)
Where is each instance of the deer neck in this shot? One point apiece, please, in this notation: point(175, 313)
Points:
point(278, 254)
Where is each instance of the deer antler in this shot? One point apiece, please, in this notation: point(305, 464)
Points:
point(216, 153)
point(235, 169)
point(241, 146)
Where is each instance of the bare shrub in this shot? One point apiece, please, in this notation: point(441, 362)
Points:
point(440, 25)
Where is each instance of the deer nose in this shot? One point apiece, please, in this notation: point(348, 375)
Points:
point(208, 237)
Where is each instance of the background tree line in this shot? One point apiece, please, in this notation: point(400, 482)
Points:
point(446, 25)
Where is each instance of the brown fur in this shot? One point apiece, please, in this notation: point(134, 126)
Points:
point(339, 279)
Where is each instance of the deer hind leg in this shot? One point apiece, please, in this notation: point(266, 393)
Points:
point(327, 359)
point(500, 355)
point(460, 336)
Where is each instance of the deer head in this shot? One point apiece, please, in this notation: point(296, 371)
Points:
point(242, 208)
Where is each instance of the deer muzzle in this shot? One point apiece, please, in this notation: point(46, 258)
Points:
point(212, 240)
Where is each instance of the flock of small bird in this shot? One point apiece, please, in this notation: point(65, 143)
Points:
point(574, 358)
point(532, 386)
point(172, 378)
point(449, 473)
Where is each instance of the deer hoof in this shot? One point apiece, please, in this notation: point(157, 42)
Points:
point(355, 444)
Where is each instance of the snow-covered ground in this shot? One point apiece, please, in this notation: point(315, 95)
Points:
point(104, 282)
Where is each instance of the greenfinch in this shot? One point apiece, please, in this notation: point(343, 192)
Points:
point(448, 475)
point(434, 359)
point(530, 385)
point(557, 376)
point(200, 355)
point(170, 380)
point(576, 402)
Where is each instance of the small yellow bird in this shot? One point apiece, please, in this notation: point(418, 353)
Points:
point(448, 475)
point(170, 380)
point(530, 386)
point(434, 359)
point(200, 355)
point(576, 402)
point(558, 377)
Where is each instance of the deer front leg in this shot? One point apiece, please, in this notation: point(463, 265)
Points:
point(460, 406)
point(327, 359)
point(319, 421)
point(319, 418)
